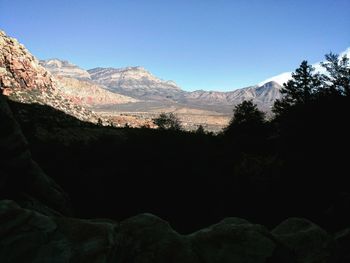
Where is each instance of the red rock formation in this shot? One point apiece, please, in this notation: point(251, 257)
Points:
point(22, 79)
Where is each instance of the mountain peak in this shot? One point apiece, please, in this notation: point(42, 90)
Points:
point(130, 78)
point(65, 69)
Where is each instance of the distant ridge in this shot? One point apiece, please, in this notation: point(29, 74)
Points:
point(76, 83)
point(65, 69)
point(139, 83)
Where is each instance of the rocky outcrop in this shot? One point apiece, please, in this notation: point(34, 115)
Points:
point(309, 242)
point(237, 240)
point(22, 79)
point(19, 70)
point(149, 239)
point(343, 241)
point(28, 236)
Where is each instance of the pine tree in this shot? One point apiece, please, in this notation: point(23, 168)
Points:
point(247, 118)
point(301, 89)
point(337, 81)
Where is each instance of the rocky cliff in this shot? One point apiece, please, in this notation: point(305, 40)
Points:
point(135, 82)
point(22, 79)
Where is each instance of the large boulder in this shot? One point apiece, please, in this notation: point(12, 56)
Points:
point(28, 236)
point(146, 238)
point(343, 241)
point(237, 240)
point(309, 242)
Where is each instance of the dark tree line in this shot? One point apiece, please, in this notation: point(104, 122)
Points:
point(305, 87)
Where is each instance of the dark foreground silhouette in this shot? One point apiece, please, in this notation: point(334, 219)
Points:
point(289, 174)
point(297, 167)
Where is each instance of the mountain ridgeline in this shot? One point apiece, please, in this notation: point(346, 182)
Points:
point(138, 83)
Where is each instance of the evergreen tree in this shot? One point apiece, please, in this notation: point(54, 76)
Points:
point(246, 118)
point(337, 81)
point(200, 130)
point(301, 89)
point(168, 121)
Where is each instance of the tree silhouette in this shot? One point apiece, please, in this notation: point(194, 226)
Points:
point(168, 121)
point(337, 81)
point(246, 118)
point(301, 89)
point(200, 130)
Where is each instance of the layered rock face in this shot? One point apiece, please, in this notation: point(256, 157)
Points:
point(75, 83)
point(22, 79)
point(135, 82)
point(90, 94)
point(130, 78)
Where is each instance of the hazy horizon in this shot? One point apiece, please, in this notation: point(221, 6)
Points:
point(199, 45)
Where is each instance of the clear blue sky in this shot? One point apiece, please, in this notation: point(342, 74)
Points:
point(200, 44)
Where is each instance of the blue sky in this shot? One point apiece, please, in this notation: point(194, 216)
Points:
point(200, 44)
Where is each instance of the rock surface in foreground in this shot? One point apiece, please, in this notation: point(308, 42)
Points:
point(309, 242)
point(28, 236)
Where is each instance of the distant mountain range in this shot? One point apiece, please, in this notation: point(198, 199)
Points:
point(143, 86)
point(108, 91)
